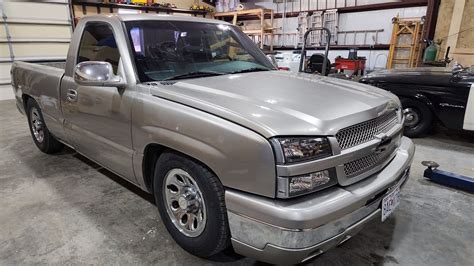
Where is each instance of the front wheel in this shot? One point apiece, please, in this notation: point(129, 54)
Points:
point(418, 118)
point(191, 203)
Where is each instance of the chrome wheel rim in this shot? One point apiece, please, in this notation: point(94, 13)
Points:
point(184, 202)
point(412, 117)
point(37, 125)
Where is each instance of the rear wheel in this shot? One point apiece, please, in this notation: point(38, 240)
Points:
point(43, 139)
point(418, 118)
point(191, 203)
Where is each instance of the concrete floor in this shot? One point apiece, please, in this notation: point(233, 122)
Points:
point(63, 209)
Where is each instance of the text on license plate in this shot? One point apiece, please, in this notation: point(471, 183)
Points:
point(390, 202)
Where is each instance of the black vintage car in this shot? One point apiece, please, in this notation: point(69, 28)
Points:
point(430, 94)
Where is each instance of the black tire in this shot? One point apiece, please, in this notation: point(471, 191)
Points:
point(48, 143)
point(215, 236)
point(418, 120)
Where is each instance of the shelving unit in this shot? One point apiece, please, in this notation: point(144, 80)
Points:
point(315, 21)
point(331, 21)
point(302, 27)
point(81, 8)
point(375, 47)
point(343, 7)
point(262, 32)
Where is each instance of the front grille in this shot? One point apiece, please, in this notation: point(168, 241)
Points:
point(364, 164)
point(360, 165)
point(363, 132)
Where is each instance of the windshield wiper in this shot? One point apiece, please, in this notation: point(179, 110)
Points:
point(253, 69)
point(195, 74)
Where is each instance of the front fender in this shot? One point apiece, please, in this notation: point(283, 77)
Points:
point(411, 92)
point(424, 99)
point(241, 158)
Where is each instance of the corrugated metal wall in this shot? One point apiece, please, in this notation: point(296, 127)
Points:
point(33, 31)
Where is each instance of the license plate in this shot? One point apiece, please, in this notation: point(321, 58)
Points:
point(390, 202)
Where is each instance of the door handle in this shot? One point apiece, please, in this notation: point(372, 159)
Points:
point(71, 95)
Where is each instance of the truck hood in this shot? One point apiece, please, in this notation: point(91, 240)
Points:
point(276, 103)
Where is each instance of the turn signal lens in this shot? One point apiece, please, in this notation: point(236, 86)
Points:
point(303, 184)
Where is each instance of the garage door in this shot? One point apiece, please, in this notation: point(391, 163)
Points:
point(33, 31)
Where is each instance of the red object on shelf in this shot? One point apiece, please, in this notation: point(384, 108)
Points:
point(357, 65)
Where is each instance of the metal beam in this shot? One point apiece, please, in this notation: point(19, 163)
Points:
point(36, 22)
point(60, 2)
point(337, 47)
point(35, 59)
point(370, 7)
point(7, 31)
point(455, 25)
point(431, 19)
point(35, 40)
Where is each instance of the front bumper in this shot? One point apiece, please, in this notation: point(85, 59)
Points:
point(295, 230)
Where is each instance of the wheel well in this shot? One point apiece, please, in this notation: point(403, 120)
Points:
point(152, 152)
point(26, 98)
point(425, 101)
point(421, 99)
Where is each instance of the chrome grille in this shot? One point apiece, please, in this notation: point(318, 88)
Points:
point(363, 132)
point(366, 163)
point(360, 165)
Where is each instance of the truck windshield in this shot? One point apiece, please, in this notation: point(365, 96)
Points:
point(168, 50)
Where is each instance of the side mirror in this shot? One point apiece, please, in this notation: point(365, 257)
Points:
point(96, 73)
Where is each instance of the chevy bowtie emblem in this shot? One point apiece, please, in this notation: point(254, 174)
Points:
point(384, 143)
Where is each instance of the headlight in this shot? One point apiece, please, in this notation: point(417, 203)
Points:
point(297, 149)
point(303, 184)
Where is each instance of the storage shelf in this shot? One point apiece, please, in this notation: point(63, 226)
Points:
point(256, 13)
point(265, 31)
point(350, 9)
point(147, 9)
point(362, 8)
point(337, 47)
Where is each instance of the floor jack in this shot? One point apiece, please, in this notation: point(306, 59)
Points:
point(446, 178)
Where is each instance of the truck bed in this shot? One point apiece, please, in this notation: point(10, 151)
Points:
point(55, 64)
point(40, 81)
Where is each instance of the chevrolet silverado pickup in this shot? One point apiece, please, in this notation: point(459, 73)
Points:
point(281, 166)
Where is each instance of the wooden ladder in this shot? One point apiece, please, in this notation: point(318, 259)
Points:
point(405, 43)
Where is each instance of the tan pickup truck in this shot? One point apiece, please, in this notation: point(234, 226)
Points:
point(280, 165)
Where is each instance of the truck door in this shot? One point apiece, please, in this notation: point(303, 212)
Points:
point(97, 118)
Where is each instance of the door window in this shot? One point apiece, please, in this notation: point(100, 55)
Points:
point(98, 44)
